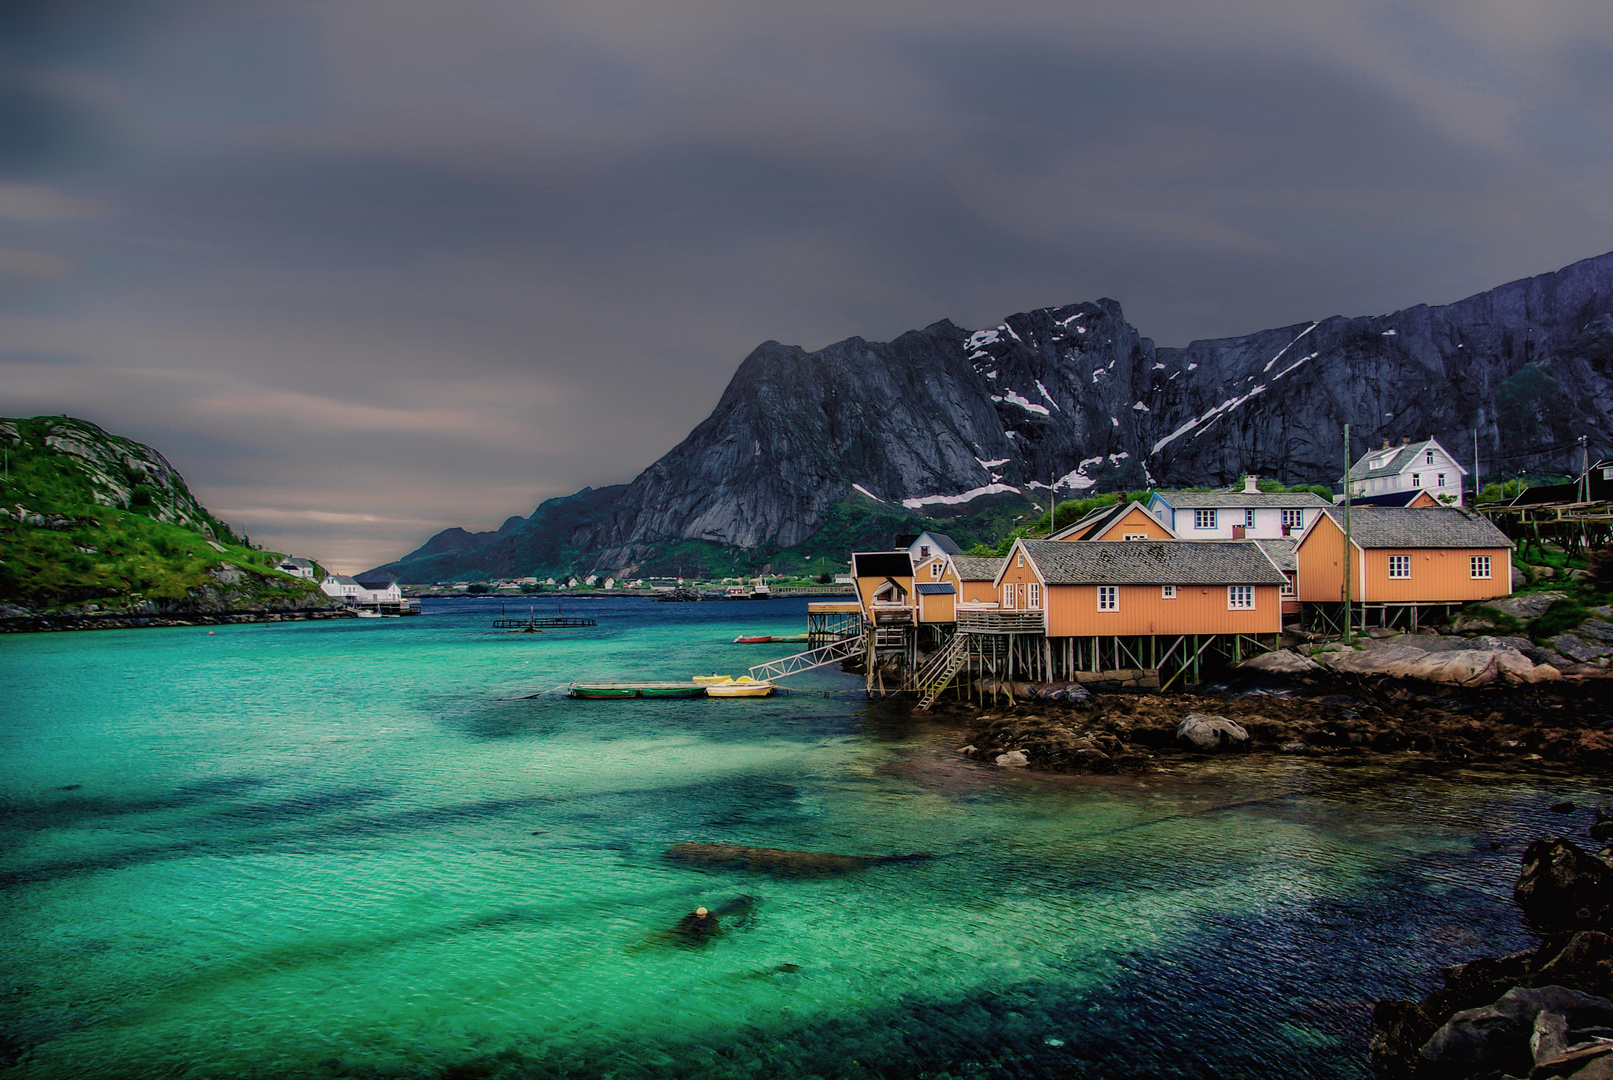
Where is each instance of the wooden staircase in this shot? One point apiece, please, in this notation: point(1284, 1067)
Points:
point(936, 675)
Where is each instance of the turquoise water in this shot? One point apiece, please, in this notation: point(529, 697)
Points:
point(360, 849)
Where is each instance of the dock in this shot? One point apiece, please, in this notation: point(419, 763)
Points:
point(548, 622)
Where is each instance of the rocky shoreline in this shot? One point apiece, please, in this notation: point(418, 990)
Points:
point(39, 623)
point(1541, 1014)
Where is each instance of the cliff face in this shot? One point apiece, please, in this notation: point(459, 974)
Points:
point(944, 419)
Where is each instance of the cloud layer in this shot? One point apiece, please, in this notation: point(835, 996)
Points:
point(365, 270)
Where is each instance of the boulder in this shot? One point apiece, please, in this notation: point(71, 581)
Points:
point(1205, 732)
point(1013, 759)
point(1507, 1035)
point(1368, 661)
point(1466, 667)
point(1281, 662)
point(1563, 888)
point(1526, 607)
point(1593, 1061)
point(1466, 624)
point(1584, 964)
point(1519, 578)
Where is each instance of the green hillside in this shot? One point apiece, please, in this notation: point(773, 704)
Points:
point(93, 519)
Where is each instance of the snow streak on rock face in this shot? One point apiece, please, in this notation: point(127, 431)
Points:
point(1076, 398)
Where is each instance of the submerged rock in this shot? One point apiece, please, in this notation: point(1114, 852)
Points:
point(1207, 732)
point(778, 860)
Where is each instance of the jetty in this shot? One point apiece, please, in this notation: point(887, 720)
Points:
point(533, 622)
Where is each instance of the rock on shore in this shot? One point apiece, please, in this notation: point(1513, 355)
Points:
point(1538, 1014)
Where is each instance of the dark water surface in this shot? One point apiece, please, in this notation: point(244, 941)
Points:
point(356, 849)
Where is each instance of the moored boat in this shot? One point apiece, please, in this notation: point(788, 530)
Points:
point(753, 639)
point(713, 678)
point(614, 690)
point(744, 687)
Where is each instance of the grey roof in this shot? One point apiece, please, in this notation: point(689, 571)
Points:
point(945, 543)
point(1154, 562)
point(1281, 552)
point(1098, 520)
point(345, 580)
point(289, 561)
point(1207, 500)
point(977, 567)
point(881, 564)
point(1398, 463)
point(1420, 527)
point(937, 588)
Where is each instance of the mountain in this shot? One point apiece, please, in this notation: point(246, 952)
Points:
point(94, 524)
point(946, 422)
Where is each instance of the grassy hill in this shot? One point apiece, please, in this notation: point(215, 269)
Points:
point(91, 521)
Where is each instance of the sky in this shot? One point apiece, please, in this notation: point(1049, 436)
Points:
point(366, 269)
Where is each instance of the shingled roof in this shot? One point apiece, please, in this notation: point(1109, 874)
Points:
point(1400, 459)
point(1420, 527)
point(977, 567)
point(1206, 500)
point(1098, 520)
point(1154, 562)
point(1281, 552)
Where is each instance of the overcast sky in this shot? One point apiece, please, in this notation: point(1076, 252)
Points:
point(364, 269)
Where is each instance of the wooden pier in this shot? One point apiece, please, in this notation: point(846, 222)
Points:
point(551, 622)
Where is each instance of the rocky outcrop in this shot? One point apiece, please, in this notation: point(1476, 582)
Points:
point(942, 418)
point(1451, 661)
point(1563, 889)
point(1202, 731)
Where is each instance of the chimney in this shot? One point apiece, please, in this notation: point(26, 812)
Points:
point(1386, 442)
point(1405, 440)
point(1251, 484)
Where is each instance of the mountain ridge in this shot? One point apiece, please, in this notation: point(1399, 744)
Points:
point(1075, 400)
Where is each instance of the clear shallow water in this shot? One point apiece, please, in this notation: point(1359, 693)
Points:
point(357, 849)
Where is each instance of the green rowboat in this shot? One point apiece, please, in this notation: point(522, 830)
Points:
point(608, 691)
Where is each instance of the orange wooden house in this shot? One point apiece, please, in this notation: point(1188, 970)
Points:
point(1403, 561)
point(1132, 588)
point(1122, 521)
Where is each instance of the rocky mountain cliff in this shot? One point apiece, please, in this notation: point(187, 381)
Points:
point(943, 419)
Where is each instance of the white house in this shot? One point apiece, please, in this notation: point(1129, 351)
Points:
point(303, 568)
point(341, 587)
point(1410, 466)
point(1250, 514)
point(387, 594)
point(931, 554)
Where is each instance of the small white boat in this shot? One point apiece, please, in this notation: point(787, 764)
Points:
point(744, 686)
point(365, 613)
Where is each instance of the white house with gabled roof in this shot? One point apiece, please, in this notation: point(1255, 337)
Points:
point(1250, 514)
point(1424, 466)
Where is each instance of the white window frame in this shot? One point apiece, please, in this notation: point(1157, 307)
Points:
point(1288, 588)
point(1033, 602)
point(1108, 597)
point(1204, 519)
point(1430, 457)
point(935, 569)
point(1249, 518)
point(1400, 567)
point(1416, 479)
point(1294, 519)
point(1135, 536)
point(1477, 563)
point(1240, 597)
point(1008, 596)
point(1021, 558)
point(1167, 592)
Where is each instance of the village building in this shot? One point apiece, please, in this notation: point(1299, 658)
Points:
point(1248, 514)
point(1410, 466)
point(1122, 521)
point(340, 587)
point(1406, 565)
point(302, 568)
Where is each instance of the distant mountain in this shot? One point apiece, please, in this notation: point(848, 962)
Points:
point(944, 421)
point(94, 522)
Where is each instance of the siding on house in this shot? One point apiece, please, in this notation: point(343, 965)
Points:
point(1440, 548)
point(1134, 520)
point(1197, 609)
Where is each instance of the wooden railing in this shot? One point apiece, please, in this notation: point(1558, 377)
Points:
point(1001, 622)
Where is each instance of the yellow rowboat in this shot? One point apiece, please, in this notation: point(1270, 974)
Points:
point(743, 687)
point(713, 678)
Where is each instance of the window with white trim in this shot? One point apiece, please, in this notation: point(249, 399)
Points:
point(1400, 566)
point(1108, 598)
point(1204, 519)
point(1022, 558)
point(1293, 519)
point(1288, 585)
point(1416, 480)
point(1481, 567)
point(936, 567)
point(1430, 457)
point(1167, 592)
point(924, 551)
point(1008, 597)
point(1240, 597)
point(1249, 519)
point(1034, 602)
point(1135, 536)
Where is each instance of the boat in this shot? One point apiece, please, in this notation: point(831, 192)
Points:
point(366, 613)
point(744, 686)
point(756, 639)
point(603, 691)
point(713, 678)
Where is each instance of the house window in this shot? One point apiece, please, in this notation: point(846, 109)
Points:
point(1481, 567)
point(1022, 558)
point(1240, 597)
point(1416, 480)
point(1430, 457)
point(936, 568)
point(1204, 519)
point(1249, 519)
point(1400, 566)
point(1008, 597)
point(1108, 598)
point(1441, 482)
point(1167, 592)
point(1293, 519)
point(1136, 536)
point(1288, 584)
point(1035, 600)
point(924, 551)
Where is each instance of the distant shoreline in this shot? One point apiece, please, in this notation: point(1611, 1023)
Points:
point(48, 623)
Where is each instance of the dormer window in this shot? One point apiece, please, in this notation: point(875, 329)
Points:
point(1430, 457)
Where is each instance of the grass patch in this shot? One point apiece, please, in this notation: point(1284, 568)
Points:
point(1563, 616)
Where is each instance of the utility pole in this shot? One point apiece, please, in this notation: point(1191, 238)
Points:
point(1585, 467)
point(1348, 619)
point(1477, 487)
